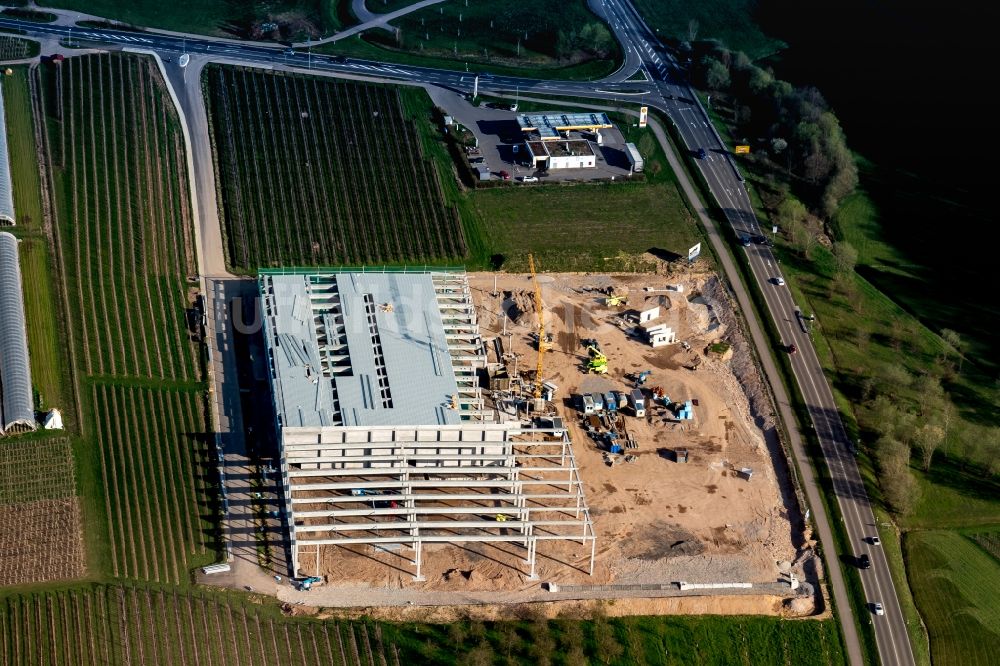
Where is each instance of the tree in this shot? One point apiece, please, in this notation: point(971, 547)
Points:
point(928, 438)
point(899, 487)
point(608, 647)
point(481, 655)
point(954, 341)
point(846, 257)
point(716, 75)
point(542, 646)
point(901, 491)
point(692, 30)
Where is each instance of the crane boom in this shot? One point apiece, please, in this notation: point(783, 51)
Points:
point(541, 328)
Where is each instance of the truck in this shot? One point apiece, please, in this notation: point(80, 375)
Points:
point(610, 402)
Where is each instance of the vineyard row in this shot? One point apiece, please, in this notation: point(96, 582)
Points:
point(318, 172)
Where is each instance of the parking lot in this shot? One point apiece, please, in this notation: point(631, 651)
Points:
point(501, 143)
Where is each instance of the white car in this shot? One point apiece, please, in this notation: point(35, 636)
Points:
point(875, 541)
point(780, 281)
point(877, 608)
point(529, 179)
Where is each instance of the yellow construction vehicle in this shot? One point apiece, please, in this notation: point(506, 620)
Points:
point(598, 362)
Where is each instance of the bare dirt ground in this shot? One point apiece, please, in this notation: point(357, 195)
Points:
point(657, 520)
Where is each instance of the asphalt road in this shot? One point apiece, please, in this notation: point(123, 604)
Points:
point(726, 185)
point(667, 91)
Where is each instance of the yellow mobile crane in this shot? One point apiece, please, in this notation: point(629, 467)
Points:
point(541, 330)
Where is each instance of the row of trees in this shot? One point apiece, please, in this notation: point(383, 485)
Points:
point(920, 429)
point(795, 125)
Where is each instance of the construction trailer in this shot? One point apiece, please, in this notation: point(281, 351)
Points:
point(375, 383)
point(587, 404)
point(637, 401)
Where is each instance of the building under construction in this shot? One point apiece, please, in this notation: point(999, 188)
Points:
point(386, 442)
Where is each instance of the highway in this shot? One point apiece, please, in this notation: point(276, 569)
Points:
point(667, 91)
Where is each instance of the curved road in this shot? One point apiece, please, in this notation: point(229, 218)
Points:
point(666, 91)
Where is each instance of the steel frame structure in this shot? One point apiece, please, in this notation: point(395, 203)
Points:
point(410, 486)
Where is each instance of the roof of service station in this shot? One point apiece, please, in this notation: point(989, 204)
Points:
point(550, 121)
point(358, 349)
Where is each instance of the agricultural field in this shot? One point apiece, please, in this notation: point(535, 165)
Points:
point(125, 244)
point(322, 172)
point(129, 625)
point(15, 48)
point(40, 535)
point(89, 624)
point(955, 585)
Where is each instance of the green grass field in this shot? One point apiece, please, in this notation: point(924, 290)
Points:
point(731, 21)
point(956, 586)
point(603, 227)
point(211, 17)
point(126, 247)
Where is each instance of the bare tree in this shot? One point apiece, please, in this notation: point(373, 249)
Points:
point(955, 341)
point(692, 30)
point(928, 438)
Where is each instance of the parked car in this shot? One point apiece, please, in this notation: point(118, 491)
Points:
point(877, 608)
point(504, 175)
point(529, 179)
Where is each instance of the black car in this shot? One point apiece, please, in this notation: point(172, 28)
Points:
point(702, 153)
point(745, 241)
point(864, 562)
point(760, 240)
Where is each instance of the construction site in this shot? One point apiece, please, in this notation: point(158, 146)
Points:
point(672, 478)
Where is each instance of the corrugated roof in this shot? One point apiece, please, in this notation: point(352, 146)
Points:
point(15, 368)
point(6, 188)
point(389, 328)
